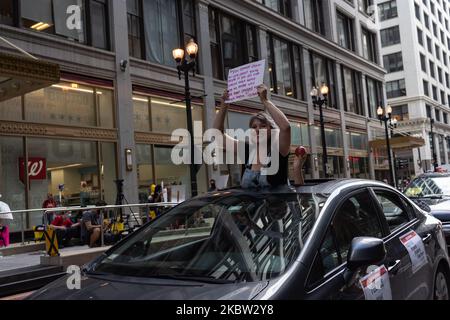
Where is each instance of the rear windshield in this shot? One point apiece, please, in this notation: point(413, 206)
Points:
point(234, 238)
point(428, 187)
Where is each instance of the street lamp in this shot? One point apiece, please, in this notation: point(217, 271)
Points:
point(433, 146)
point(385, 115)
point(185, 59)
point(319, 98)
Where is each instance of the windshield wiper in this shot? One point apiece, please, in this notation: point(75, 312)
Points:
point(204, 279)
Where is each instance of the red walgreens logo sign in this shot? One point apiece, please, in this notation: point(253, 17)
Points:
point(37, 169)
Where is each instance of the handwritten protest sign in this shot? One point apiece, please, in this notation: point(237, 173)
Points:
point(243, 81)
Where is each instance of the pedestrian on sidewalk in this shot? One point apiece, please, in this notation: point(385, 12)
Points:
point(5, 219)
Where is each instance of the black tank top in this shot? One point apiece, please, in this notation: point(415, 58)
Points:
point(278, 179)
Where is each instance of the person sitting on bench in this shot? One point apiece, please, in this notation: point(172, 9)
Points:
point(91, 224)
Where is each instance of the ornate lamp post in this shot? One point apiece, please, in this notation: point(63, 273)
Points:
point(320, 98)
point(185, 59)
point(385, 115)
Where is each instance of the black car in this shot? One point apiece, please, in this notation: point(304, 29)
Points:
point(332, 240)
point(433, 191)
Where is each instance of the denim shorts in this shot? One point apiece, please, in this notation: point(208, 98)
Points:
point(254, 179)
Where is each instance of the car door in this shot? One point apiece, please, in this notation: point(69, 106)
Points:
point(401, 222)
point(355, 216)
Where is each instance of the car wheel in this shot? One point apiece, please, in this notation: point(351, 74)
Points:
point(441, 287)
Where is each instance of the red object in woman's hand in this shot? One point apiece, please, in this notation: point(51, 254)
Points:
point(300, 151)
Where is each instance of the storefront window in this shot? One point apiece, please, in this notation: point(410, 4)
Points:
point(168, 116)
point(70, 163)
point(11, 109)
point(238, 120)
point(12, 188)
point(62, 104)
point(144, 158)
point(333, 137)
point(141, 113)
point(357, 141)
point(105, 102)
point(71, 104)
point(359, 167)
point(108, 172)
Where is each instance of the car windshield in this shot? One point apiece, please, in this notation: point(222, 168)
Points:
point(234, 238)
point(424, 187)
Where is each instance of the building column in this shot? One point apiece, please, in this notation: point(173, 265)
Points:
point(264, 55)
point(307, 78)
point(446, 149)
point(123, 101)
point(345, 142)
point(206, 68)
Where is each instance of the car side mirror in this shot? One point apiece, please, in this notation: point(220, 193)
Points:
point(363, 252)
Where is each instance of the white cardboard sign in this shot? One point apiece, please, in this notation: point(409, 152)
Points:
point(243, 81)
point(416, 249)
point(376, 285)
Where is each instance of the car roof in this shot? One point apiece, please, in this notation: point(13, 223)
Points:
point(320, 186)
point(434, 175)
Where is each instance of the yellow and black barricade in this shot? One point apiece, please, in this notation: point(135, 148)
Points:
point(51, 242)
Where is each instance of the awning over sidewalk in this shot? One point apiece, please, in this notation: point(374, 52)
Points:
point(20, 75)
point(406, 142)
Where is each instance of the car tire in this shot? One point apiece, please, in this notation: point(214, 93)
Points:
point(441, 285)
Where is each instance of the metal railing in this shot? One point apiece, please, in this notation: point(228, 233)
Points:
point(46, 211)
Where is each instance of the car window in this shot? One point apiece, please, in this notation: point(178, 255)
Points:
point(393, 209)
point(235, 238)
point(357, 217)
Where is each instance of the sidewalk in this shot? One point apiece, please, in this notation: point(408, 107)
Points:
point(30, 259)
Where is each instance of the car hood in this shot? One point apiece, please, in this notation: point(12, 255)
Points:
point(125, 288)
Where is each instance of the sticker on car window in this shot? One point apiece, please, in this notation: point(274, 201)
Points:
point(416, 249)
point(376, 285)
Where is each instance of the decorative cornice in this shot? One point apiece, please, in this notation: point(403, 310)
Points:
point(45, 130)
point(153, 138)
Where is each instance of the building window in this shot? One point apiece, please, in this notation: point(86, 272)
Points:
point(420, 36)
point(432, 71)
point(323, 71)
point(447, 80)
point(390, 36)
point(443, 97)
point(345, 31)
point(393, 62)
point(352, 91)
point(435, 94)
point(445, 118)
point(284, 67)
point(314, 16)
point(365, 6)
point(161, 115)
point(428, 108)
point(233, 43)
point(395, 88)
point(387, 10)
point(430, 45)
point(369, 44)
point(135, 31)
point(426, 88)
point(423, 63)
point(168, 24)
point(400, 113)
point(374, 95)
point(71, 104)
point(440, 75)
point(417, 9)
point(426, 21)
point(438, 52)
point(438, 115)
point(50, 16)
point(7, 13)
point(283, 7)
